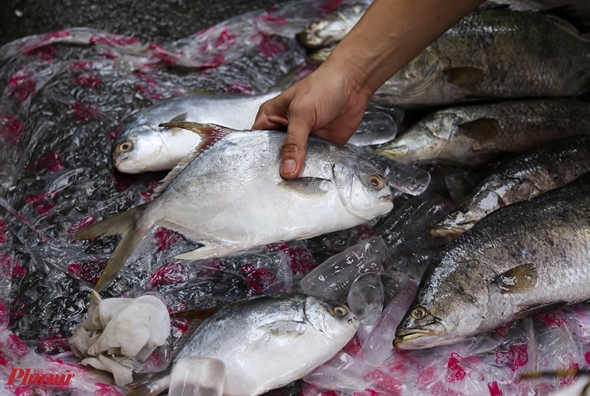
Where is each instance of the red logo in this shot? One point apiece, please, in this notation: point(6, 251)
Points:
point(37, 378)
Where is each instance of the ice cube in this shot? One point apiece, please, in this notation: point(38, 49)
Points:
point(365, 298)
point(333, 278)
point(379, 344)
point(375, 128)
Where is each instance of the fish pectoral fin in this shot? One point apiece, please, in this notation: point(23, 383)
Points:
point(209, 250)
point(519, 279)
point(285, 328)
point(480, 130)
point(466, 77)
point(528, 310)
point(307, 187)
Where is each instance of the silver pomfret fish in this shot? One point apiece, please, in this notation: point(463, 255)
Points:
point(268, 341)
point(520, 260)
point(229, 196)
point(475, 134)
point(520, 179)
point(143, 146)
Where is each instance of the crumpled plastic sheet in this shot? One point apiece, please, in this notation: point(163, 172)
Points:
point(63, 97)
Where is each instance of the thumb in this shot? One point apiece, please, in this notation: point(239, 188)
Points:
point(293, 148)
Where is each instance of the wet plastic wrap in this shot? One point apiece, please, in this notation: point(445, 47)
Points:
point(63, 98)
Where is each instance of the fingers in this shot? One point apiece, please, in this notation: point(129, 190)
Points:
point(272, 114)
point(279, 113)
point(293, 148)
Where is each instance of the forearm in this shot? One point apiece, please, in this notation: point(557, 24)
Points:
point(390, 34)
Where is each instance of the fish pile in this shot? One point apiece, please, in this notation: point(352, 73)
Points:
point(463, 242)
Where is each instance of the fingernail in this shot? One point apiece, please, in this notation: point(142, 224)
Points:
point(288, 167)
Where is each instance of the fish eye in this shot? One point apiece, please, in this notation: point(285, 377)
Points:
point(375, 182)
point(419, 313)
point(341, 311)
point(125, 147)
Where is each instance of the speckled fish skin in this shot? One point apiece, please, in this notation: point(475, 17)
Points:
point(142, 146)
point(475, 134)
point(267, 342)
point(494, 53)
point(522, 179)
point(334, 26)
point(231, 198)
point(519, 260)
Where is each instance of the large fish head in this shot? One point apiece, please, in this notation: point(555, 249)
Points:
point(332, 320)
point(143, 146)
point(450, 305)
point(362, 189)
point(415, 81)
point(424, 141)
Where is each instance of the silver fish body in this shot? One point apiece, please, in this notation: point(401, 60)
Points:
point(521, 179)
point(231, 197)
point(475, 134)
point(519, 260)
point(267, 342)
point(494, 53)
point(334, 26)
point(142, 146)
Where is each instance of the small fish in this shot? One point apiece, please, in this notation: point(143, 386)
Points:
point(495, 53)
point(333, 27)
point(521, 179)
point(143, 146)
point(269, 341)
point(522, 259)
point(229, 196)
point(475, 134)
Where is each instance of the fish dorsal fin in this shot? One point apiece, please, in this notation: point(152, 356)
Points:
point(180, 117)
point(209, 133)
point(519, 279)
point(196, 317)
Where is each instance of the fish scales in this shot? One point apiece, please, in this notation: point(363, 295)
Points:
point(520, 179)
point(475, 134)
point(495, 53)
point(143, 147)
point(519, 260)
point(229, 196)
point(269, 341)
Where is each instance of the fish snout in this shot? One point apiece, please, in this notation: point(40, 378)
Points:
point(418, 338)
point(393, 151)
point(386, 198)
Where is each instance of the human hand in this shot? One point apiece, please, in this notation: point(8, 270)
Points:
point(328, 103)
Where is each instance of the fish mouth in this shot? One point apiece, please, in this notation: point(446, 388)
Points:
point(452, 231)
point(118, 158)
point(415, 338)
point(386, 198)
point(396, 151)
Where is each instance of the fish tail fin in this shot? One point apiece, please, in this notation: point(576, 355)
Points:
point(119, 224)
point(125, 224)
